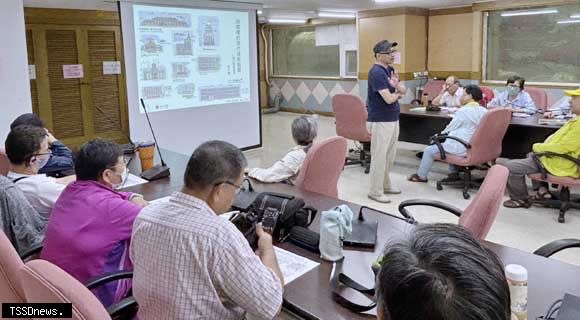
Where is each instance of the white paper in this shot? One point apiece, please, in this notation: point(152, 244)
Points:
point(32, 71)
point(111, 67)
point(160, 200)
point(292, 265)
point(133, 180)
point(397, 58)
point(72, 71)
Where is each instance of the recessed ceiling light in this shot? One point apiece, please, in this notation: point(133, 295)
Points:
point(287, 21)
point(260, 12)
point(339, 15)
point(528, 13)
point(568, 21)
point(575, 16)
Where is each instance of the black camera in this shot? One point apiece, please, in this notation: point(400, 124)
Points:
point(278, 213)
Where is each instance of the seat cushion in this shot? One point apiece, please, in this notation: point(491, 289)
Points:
point(564, 181)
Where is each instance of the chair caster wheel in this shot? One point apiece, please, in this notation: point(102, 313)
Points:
point(466, 195)
point(439, 186)
point(561, 219)
point(367, 171)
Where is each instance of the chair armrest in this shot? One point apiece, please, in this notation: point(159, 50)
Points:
point(124, 309)
point(431, 203)
point(440, 138)
point(466, 144)
point(543, 171)
point(110, 277)
point(33, 250)
point(557, 246)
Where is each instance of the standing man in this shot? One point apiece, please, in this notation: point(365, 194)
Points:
point(451, 93)
point(384, 92)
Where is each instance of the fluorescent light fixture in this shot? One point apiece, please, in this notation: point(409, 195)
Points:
point(568, 21)
point(339, 15)
point(575, 16)
point(260, 12)
point(528, 13)
point(289, 21)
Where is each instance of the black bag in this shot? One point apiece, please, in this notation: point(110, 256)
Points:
point(291, 212)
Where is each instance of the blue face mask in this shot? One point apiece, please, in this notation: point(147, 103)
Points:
point(513, 91)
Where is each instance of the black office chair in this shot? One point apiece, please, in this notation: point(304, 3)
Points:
point(554, 247)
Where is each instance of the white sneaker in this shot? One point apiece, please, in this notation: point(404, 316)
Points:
point(392, 191)
point(381, 198)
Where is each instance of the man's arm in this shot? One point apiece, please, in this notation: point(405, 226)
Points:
point(251, 284)
point(567, 144)
point(61, 158)
point(390, 97)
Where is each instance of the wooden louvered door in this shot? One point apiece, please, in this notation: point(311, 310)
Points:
point(71, 108)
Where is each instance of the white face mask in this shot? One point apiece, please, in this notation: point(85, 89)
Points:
point(124, 175)
point(40, 162)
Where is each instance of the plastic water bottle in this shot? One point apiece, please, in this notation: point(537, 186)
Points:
point(517, 277)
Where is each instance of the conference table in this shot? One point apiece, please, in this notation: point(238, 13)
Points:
point(310, 297)
point(417, 126)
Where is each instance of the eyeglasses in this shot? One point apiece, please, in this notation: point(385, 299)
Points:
point(238, 187)
point(49, 152)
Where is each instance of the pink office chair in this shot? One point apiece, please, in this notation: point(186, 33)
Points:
point(484, 146)
point(432, 88)
point(488, 95)
point(563, 201)
point(479, 216)
point(4, 163)
point(539, 96)
point(10, 264)
point(322, 167)
point(351, 117)
point(44, 282)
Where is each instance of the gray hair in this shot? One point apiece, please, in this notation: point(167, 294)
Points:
point(304, 130)
point(212, 163)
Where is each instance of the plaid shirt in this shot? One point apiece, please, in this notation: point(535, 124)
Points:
point(191, 264)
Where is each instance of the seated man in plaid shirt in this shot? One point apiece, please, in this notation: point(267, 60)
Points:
point(191, 264)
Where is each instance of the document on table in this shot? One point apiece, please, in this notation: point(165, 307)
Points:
point(416, 109)
point(160, 200)
point(292, 265)
point(133, 180)
point(520, 115)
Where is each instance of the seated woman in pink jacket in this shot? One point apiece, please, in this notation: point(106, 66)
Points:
point(90, 226)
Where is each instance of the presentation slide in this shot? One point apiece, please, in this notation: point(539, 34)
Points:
point(189, 58)
point(194, 64)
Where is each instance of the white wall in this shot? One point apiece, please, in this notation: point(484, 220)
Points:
point(14, 82)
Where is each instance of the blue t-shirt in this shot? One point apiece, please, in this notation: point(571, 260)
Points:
point(378, 109)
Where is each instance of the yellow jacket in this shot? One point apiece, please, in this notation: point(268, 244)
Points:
point(564, 141)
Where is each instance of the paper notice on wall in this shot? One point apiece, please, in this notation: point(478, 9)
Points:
point(397, 58)
point(72, 71)
point(111, 67)
point(32, 71)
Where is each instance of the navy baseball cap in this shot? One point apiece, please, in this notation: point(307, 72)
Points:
point(384, 46)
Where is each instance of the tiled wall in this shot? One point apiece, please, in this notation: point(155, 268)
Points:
point(312, 95)
point(316, 95)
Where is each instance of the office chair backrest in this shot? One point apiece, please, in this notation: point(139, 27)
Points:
point(4, 162)
point(539, 96)
point(322, 167)
point(10, 264)
point(44, 282)
point(479, 216)
point(351, 117)
point(487, 139)
point(432, 88)
point(488, 95)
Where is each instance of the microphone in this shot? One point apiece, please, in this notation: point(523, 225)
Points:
point(158, 171)
point(127, 148)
